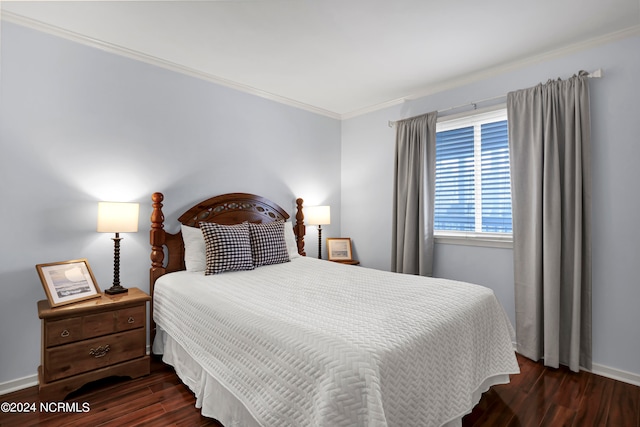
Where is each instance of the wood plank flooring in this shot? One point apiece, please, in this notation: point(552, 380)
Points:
point(539, 396)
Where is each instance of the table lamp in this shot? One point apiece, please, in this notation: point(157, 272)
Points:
point(116, 217)
point(318, 215)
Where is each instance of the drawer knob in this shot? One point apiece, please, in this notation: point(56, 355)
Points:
point(100, 351)
point(131, 319)
point(65, 333)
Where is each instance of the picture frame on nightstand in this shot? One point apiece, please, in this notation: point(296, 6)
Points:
point(339, 249)
point(66, 282)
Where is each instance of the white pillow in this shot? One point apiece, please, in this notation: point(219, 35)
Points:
point(290, 239)
point(195, 251)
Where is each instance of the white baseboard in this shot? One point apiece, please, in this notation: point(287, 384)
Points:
point(605, 371)
point(19, 384)
point(615, 374)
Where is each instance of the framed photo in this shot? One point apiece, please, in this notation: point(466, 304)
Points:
point(67, 282)
point(339, 248)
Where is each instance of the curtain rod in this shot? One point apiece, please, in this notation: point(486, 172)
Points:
point(592, 75)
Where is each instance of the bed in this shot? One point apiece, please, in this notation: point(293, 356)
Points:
point(306, 342)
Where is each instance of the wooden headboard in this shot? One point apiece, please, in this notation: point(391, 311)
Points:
point(233, 208)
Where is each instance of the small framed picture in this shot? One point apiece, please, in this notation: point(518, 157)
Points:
point(67, 282)
point(339, 248)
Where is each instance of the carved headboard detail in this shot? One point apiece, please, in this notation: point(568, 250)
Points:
point(232, 209)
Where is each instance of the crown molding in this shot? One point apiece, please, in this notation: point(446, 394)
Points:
point(430, 90)
point(501, 69)
point(159, 62)
point(373, 108)
point(531, 60)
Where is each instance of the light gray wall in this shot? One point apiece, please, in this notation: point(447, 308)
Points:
point(79, 125)
point(367, 169)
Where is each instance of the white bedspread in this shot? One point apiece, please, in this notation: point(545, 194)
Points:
point(315, 343)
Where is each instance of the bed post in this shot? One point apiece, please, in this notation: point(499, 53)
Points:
point(299, 228)
point(157, 240)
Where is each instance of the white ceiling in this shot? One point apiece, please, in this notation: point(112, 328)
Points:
point(336, 57)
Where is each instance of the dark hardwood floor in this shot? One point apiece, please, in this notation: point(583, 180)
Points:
point(539, 396)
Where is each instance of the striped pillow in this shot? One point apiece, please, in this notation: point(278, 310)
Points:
point(228, 247)
point(268, 245)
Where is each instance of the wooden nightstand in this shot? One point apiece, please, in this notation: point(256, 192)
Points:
point(347, 261)
point(92, 339)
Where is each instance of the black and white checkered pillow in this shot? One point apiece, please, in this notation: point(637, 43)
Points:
point(268, 245)
point(228, 247)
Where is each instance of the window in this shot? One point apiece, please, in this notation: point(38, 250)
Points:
point(473, 184)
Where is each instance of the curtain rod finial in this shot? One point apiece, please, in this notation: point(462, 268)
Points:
point(596, 74)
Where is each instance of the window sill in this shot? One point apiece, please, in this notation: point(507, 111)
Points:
point(488, 240)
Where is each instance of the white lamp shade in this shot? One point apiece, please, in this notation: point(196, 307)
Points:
point(317, 215)
point(116, 217)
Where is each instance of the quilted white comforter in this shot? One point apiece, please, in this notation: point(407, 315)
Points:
point(315, 343)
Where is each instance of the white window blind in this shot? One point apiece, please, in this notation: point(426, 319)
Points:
point(473, 188)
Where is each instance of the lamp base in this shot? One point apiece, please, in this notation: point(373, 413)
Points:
point(116, 289)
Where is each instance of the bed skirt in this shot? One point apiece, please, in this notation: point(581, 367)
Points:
point(215, 401)
point(212, 398)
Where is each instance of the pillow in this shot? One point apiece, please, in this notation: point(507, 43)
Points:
point(268, 245)
point(228, 247)
point(290, 239)
point(195, 258)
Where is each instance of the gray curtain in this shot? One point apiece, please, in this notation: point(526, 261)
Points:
point(549, 143)
point(414, 195)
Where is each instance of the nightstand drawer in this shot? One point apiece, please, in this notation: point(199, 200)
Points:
point(131, 318)
point(94, 325)
point(63, 331)
point(65, 361)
